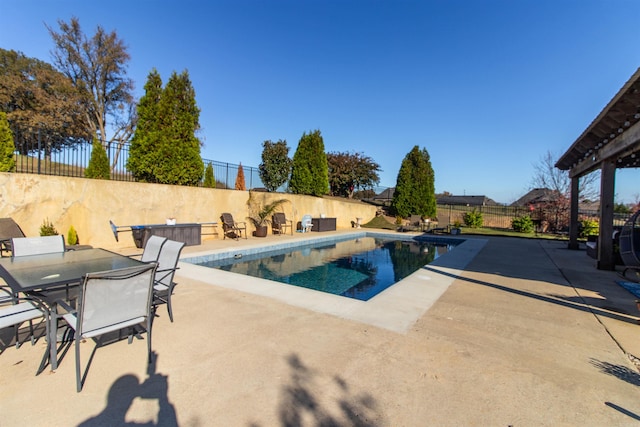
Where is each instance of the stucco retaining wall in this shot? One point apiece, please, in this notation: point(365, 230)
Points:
point(89, 204)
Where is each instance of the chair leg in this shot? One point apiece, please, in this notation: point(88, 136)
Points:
point(169, 308)
point(149, 328)
point(78, 377)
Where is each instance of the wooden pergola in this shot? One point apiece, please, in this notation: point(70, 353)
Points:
point(611, 141)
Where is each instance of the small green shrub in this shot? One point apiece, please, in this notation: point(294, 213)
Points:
point(209, 181)
point(522, 224)
point(47, 229)
point(72, 236)
point(589, 227)
point(98, 167)
point(473, 219)
point(7, 146)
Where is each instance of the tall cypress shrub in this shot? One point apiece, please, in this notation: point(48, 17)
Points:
point(415, 186)
point(240, 181)
point(179, 147)
point(310, 171)
point(143, 153)
point(165, 148)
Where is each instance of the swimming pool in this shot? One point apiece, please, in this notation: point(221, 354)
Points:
point(358, 268)
point(396, 309)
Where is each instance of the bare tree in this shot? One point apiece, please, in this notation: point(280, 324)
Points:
point(97, 68)
point(546, 175)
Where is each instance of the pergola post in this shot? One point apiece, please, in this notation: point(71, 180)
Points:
point(573, 215)
point(606, 260)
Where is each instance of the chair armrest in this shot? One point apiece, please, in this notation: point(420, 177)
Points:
point(65, 306)
point(166, 271)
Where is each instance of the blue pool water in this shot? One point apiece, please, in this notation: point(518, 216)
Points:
point(358, 268)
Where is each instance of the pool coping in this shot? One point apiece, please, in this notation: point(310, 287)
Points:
point(396, 308)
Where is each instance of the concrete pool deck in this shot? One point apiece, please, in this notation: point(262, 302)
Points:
point(529, 333)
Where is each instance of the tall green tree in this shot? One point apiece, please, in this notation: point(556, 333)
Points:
point(144, 154)
point(310, 172)
point(39, 99)
point(276, 164)
point(415, 186)
point(97, 68)
point(165, 148)
point(98, 167)
point(349, 172)
point(7, 146)
point(180, 120)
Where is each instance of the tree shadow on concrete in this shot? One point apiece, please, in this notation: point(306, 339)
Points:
point(127, 388)
point(301, 404)
point(622, 372)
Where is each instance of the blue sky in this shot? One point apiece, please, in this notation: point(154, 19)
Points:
point(486, 86)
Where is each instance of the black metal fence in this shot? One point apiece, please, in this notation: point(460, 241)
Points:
point(41, 153)
point(549, 218)
point(35, 153)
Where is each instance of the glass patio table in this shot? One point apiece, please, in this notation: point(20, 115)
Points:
point(37, 275)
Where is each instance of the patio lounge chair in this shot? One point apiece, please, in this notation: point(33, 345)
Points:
point(163, 283)
point(9, 229)
point(110, 301)
point(630, 246)
point(306, 224)
point(414, 223)
point(280, 223)
point(232, 229)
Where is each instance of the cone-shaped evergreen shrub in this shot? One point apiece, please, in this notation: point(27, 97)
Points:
point(98, 163)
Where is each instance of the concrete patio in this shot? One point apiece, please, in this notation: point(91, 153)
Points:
point(529, 334)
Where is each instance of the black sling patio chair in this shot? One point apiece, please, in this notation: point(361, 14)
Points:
point(280, 223)
point(9, 229)
point(231, 228)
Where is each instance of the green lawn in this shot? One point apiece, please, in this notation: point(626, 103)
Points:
point(382, 222)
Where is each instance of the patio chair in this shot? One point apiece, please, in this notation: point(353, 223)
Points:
point(163, 283)
point(110, 301)
point(14, 312)
point(630, 245)
point(23, 246)
point(152, 249)
point(306, 224)
point(9, 229)
point(280, 223)
point(232, 229)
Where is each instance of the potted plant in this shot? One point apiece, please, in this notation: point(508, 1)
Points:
point(456, 227)
point(260, 214)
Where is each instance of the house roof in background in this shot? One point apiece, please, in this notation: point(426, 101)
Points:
point(465, 200)
point(535, 196)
